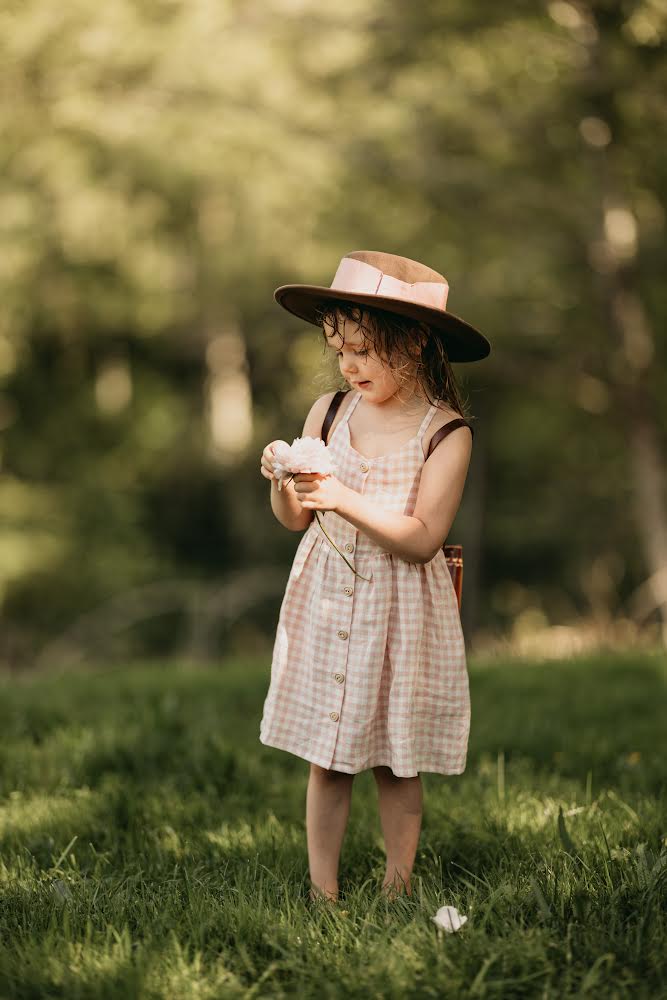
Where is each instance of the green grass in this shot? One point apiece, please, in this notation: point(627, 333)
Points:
point(151, 846)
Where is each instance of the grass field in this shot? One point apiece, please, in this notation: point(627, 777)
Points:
point(150, 846)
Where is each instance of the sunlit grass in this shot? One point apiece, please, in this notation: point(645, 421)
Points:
point(151, 846)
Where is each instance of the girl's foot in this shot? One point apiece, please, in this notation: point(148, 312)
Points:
point(316, 896)
point(391, 890)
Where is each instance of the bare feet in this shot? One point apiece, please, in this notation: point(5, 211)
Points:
point(397, 887)
point(316, 895)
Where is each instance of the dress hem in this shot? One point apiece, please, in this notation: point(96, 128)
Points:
point(277, 744)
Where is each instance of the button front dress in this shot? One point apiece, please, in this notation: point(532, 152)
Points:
point(369, 672)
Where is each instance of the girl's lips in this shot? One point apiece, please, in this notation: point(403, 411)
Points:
point(367, 382)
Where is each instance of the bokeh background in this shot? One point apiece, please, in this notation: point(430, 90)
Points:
point(165, 165)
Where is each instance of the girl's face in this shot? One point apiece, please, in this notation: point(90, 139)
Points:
point(359, 364)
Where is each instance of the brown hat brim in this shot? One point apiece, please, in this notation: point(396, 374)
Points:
point(462, 341)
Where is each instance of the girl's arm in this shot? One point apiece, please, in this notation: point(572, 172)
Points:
point(284, 503)
point(287, 508)
point(417, 537)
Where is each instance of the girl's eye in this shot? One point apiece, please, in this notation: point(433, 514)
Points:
point(339, 353)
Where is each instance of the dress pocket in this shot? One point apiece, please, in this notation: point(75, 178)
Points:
point(300, 556)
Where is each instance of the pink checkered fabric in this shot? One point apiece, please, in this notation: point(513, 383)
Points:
point(369, 673)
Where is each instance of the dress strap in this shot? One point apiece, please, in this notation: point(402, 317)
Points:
point(446, 429)
point(425, 422)
point(348, 412)
point(332, 411)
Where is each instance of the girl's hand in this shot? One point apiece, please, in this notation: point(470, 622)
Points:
point(316, 492)
point(266, 465)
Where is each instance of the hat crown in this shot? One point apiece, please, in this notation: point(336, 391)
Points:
point(395, 284)
point(402, 268)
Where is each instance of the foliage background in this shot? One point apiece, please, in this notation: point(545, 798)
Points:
point(167, 164)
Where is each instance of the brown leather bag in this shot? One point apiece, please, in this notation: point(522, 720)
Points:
point(453, 553)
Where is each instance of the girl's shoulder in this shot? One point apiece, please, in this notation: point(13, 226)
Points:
point(444, 414)
point(318, 411)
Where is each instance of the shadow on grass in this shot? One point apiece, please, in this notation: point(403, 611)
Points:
point(605, 713)
point(165, 762)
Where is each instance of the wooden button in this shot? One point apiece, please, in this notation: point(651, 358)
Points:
point(342, 634)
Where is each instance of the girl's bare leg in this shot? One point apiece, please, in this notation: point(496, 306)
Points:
point(327, 811)
point(400, 804)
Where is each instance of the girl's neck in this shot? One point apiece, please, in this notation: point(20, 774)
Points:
point(401, 403)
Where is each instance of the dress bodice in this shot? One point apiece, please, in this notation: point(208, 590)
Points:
point(390, 480)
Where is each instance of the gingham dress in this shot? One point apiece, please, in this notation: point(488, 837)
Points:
point(369, 673)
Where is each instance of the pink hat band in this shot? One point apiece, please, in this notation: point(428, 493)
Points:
point(393, 284)
point(356, 276)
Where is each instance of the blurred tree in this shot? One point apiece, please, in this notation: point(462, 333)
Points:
point(514, 148)
point(166, 164)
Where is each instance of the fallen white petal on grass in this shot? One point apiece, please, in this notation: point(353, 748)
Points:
point(449, 918)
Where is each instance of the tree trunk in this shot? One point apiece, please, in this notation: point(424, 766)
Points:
point(632, 342)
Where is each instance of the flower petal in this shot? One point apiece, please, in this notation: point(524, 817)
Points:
point(449, 919)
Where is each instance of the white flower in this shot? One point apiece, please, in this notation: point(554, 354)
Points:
point(307, 454)
point(449, 918)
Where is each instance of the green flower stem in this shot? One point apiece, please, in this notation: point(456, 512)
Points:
point(366, 578)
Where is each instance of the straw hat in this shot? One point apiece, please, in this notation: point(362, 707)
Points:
point(396, 284)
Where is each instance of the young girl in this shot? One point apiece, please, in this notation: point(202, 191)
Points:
point(369, 666)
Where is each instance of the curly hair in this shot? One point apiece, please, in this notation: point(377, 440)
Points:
point(395, 339)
